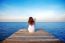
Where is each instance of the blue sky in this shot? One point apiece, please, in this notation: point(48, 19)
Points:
point(42, 10)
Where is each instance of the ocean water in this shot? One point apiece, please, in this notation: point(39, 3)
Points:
point(55, 28)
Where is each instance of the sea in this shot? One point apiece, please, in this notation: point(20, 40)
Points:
point(55, 28)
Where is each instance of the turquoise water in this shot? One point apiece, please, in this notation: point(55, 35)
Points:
point(56, 28)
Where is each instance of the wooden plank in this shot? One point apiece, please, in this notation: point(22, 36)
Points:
point(36, 37)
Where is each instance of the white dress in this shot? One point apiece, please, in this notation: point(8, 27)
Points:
point(31, 28)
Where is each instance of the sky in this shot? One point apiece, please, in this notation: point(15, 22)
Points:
point(40, 10)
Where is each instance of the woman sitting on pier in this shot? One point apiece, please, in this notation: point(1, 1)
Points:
point(31, 23)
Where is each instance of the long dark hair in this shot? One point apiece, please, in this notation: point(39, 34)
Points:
point(31, 21)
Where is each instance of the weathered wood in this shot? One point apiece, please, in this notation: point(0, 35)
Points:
point(23, 36)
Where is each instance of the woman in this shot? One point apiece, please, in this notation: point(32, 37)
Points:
point(31, 23)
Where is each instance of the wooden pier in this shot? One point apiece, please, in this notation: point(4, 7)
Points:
point(23, 36)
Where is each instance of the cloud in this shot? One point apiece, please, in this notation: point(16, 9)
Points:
point(13, 18)
point(42, 15)
point(54, 18)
